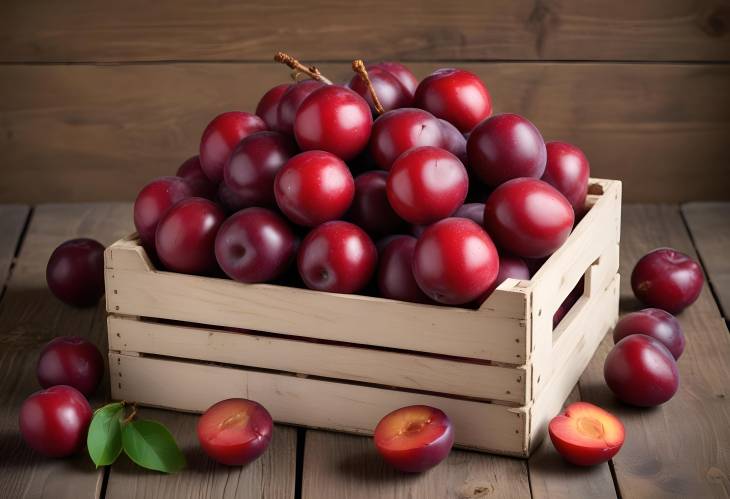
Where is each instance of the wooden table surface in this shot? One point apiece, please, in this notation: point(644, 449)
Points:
point(681, 449)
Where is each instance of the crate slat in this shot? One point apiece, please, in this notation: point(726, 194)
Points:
point(480, 334)
point(367, 365)
point(597, 232)
point(357, 409)
point(595, 316)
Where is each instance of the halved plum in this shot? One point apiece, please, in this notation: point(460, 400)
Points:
point(414, 438)
point(235, 431)
point(585, 434)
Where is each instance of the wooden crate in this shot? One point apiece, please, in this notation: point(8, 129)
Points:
point(342, 362)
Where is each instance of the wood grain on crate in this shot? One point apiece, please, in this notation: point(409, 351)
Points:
point(306, 401)
point(679, 449)
point(593, 319)
point(672, 119)
point(500, 331)
point(139, 290)
point(355, 408)
point(84, 30)
point(595, 238)
point(398, 369)
point(30, 316)
point(709, 226)
point(366, 365)
point(145, 295)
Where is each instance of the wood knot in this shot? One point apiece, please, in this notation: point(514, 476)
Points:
point(541, 20)
point(716, 23)
point(473, 490)
point(716, 475)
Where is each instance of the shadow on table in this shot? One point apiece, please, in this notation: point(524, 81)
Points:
point(629, 303)
point(366, 466)
point(15, 454)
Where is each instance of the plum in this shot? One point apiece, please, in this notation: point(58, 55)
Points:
point(641, 371)
point(668, 279)
point(653, 322)
point(414, 438)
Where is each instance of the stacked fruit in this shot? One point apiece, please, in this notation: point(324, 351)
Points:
point(313, 163)
point(278, 187)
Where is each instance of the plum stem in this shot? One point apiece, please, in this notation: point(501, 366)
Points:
point(299, 68)
point(358, 66)
point(131, 415)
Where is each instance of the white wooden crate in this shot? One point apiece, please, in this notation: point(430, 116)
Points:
point(341, 362)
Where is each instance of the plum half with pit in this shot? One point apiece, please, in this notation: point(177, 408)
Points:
point(235, 431)
point(414, 438)
point(586, 435)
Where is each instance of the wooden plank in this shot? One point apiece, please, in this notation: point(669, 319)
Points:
point(679, 449)
point(337, 465)
point(709, 225)
point(572, 353)
point(595, 239)
point(12, 222)
point(270, 476)
point(30, 316)
point(667, 145)
point(393, 369)
point(319, 404)
point(553, 477)
point(596, 236)
point(85, 30)
point(485, 334)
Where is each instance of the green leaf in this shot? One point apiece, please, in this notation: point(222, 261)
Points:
point(104, 439)
point(150, 445)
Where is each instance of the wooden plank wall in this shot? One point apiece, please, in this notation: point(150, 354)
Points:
point(97, 97)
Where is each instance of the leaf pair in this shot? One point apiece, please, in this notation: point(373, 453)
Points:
point(148, 443)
